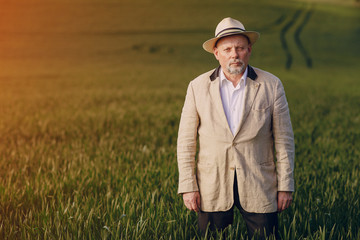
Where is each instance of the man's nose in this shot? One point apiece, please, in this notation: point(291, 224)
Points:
point(234, 53)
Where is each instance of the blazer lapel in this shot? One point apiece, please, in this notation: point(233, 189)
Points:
point(214, 91)
point(251, 90)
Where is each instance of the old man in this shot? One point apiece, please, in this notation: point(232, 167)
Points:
point(238, 114)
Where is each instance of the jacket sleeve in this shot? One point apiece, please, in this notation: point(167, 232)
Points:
point(284, 140)
point(186, 144)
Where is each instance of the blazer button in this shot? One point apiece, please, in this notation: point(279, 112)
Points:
point(232, 168)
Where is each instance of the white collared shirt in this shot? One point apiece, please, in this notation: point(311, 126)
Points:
point(233, 99)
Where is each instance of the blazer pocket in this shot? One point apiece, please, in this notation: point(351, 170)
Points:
point(204, 166)
point(268, 163)
point(260, 114)
point(208, 181)
point(261, 108)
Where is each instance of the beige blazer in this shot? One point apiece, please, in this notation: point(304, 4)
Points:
point(265, 124)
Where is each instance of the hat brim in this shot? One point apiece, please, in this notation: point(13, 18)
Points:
point(210, 44)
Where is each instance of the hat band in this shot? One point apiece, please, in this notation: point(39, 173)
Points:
point(227, 29)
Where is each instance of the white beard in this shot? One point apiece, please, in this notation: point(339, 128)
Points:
point(236, 70)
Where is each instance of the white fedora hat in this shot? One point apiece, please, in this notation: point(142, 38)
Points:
point(227, 27)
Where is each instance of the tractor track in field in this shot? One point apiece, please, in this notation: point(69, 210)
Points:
point(284, 44)
point(304, 20)
point(283, 24)
point(298, 42)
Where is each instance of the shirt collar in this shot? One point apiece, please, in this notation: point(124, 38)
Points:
point(223, 78)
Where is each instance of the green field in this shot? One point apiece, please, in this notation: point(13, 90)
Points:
point(91, 94)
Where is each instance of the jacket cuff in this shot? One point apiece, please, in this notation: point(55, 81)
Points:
point(286, 186)
point(188, 187)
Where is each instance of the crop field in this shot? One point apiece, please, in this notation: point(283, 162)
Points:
point(90, 99)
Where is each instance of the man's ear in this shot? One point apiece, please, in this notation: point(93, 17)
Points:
point(250, 48)
point(216, 53)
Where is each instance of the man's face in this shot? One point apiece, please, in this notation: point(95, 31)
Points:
point(233, 54)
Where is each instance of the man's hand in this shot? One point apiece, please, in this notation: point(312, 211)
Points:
point(284, 200)
point(192, 201)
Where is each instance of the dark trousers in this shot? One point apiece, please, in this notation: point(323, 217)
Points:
point(259, 225)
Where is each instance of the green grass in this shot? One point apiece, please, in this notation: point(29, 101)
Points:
point(90, 99)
